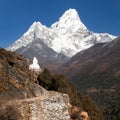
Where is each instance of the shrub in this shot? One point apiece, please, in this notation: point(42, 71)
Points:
point(9, 113)
point(61, 84)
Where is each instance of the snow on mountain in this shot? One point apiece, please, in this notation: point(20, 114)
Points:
point(69, 22)
point(36, 30)
point(67, 36)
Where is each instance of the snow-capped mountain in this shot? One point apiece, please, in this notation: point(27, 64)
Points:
point(36, 30)
point(67, 36)
point(42, 52)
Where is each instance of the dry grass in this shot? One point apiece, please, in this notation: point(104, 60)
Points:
point(9, 112)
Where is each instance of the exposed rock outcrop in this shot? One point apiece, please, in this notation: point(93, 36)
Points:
point(23, 99)
point(19, 91)
point(50, 106)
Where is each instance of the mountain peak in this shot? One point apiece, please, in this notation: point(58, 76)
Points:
point(36, 24)
point(71, 13)
point(69, 20)
point(33, 27)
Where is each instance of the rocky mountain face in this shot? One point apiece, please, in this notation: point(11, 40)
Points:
point(61, 41)
point(96, 71)
point(21, 98)
point(46, 56)
point(101, 58)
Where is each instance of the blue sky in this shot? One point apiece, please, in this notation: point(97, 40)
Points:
point(17, 15)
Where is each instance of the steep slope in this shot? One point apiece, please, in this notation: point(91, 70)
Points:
point(67, 36)
point(96, 71)
point(46, 56)
point(59, 83)
point(103, 57)
point(21, 98)
point(36, 30)
point(72, 35)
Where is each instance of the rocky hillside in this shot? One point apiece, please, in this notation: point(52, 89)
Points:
point(59, 83)
point(96, 71)
point(22, 98)
point(100, 62)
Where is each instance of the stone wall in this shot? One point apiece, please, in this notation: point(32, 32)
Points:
point(52, 106)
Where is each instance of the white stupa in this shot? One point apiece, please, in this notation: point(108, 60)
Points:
point(35, 66)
